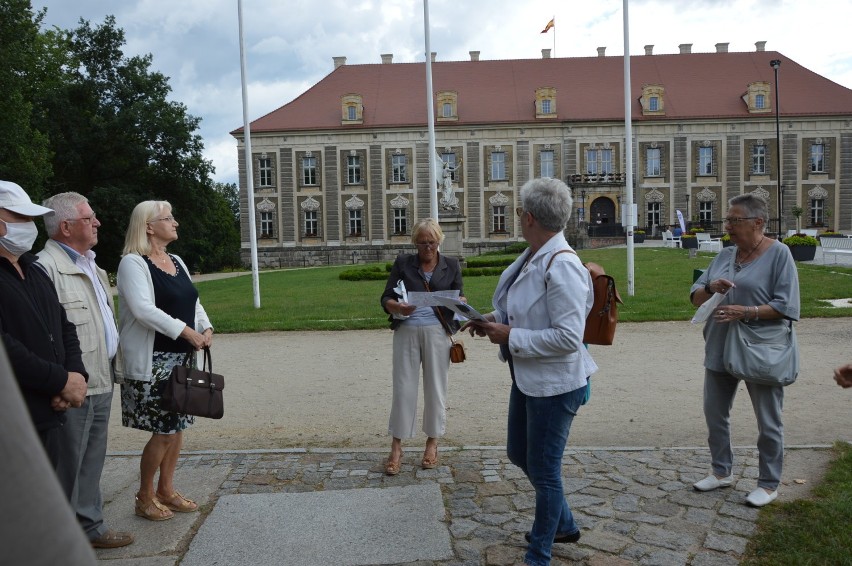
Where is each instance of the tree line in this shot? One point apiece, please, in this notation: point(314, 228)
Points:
point(78, 114)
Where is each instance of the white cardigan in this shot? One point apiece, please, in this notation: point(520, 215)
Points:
point(139, 319)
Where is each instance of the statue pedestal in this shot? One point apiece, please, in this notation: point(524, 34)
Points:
point(452, 224)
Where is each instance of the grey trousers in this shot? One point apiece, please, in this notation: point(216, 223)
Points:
point(768, 403)
point(414, 346)
point(83, 446)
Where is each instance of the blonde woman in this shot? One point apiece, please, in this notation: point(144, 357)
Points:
point(420, 339)
point(160, 321)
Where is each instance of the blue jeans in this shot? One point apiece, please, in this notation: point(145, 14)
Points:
point(538, 432)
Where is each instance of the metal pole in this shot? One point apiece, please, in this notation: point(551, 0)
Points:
point(628, 150)
point(775, 64)
point(430, 119)
point(255, 278)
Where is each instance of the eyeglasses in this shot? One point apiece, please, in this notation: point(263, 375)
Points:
point(84, 219)
point(432, 245)
point(164, 218)
point(737, 219)
point(519, 211)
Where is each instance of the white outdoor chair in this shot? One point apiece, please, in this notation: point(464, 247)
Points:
point(670, 241)
point(707, 243)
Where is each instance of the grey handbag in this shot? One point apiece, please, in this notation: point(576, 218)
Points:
point(767, 354)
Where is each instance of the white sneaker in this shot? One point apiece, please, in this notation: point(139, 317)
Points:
point(759, 497)
point(711, 482)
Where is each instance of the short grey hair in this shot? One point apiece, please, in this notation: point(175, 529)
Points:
point(754, 205)
point(549, 201)
point(64, 206)
point(427, 226)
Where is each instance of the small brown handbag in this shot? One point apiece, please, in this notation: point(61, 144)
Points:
point(193, 391)
point(457, 351)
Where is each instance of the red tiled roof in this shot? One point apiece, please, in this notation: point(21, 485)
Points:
point(697, 86)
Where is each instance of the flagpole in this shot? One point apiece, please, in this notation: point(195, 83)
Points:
point(628, 150)
point(255, 279)
point(430, 112)
point(554, 36)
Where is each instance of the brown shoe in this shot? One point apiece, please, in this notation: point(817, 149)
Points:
point(152, 510)
point(177, 502)
point(112, 539)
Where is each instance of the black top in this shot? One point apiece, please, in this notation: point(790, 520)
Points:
point(446, 276)
point(40, 341)
point(176, 296)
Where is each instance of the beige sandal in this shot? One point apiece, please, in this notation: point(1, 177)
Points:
point(179, 503)
point(430, 462)
point(152, 510)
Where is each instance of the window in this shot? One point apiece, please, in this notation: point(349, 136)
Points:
point(351, 113)
point(400, 221)
point(309, 170)
point(817, 212)
point(264, 165)
point(652, 218)
point(447, 110)
point(311, 224)
point(498, 219)
point(652, 162)
point(545, 106)
point(705, 160)
point(546, 167)
point(705, 211)
point(355, 222)
point(758, 159)
point(353, 169)
point(817, 158)
point(266, 225)
point(450, 159)
point(598, 161)
point(498, 166)
point(760, 101)
point(654, 103)
point(398, 163)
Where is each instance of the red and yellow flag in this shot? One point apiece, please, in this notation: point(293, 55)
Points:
point(550, 24)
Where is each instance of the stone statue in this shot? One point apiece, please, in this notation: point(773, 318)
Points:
point(444, 177)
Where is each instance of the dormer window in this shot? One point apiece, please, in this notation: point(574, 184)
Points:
point(352, 109)
point(757, 98)
point(545, 102)
point(448, 105)
point(653, 100)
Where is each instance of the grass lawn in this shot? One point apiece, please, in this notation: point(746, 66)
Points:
point(316, 299)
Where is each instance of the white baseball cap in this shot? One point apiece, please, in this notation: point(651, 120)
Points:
point(14, 198)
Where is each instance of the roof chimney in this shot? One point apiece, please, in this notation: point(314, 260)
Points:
point(545, 53)
point(474, 55)
point(434, 55)
point(387, 58)
point(721, 48)
point(685, 47)
point(601, 51)
point(649, 50)
point(338, 61)
point(760, 45)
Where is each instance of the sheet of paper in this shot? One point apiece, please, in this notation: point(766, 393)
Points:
point(461, 308)
point(423, 299)
point(707, 307)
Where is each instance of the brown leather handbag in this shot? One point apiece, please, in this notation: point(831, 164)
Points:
point(193, 391)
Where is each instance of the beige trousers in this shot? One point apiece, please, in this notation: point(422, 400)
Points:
point(414, 346)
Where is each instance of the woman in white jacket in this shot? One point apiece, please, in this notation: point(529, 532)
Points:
point(160, 321)
point(540, 308)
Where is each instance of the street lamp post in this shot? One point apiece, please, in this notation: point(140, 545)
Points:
point(775, 64)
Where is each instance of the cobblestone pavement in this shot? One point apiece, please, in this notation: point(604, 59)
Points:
point(634, 506)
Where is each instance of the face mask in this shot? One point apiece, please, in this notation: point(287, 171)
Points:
point(19, 238)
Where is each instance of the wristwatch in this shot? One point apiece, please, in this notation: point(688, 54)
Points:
point(707, 289)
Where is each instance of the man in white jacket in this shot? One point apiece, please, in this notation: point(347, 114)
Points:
point(84, 292)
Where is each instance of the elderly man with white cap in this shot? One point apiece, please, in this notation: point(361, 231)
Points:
point(40, 341)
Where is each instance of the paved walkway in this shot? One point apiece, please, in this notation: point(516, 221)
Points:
point(634, 506)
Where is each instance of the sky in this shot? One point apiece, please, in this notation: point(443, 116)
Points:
point(290, 44)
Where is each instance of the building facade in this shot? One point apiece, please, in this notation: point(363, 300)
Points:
point(341, 174)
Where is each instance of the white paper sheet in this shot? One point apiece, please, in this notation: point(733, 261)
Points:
point(707, 308)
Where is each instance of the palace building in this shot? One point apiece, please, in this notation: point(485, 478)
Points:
point(341, 173)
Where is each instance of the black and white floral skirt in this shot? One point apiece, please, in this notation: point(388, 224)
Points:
point(140, 400)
